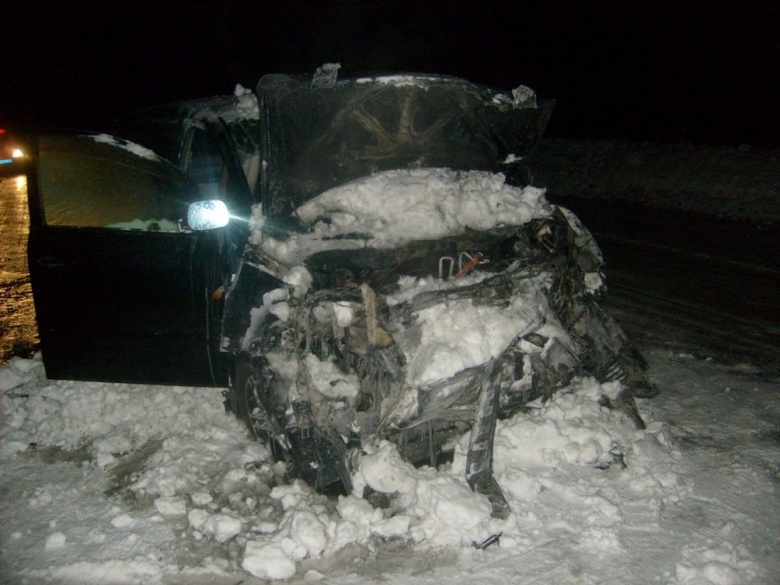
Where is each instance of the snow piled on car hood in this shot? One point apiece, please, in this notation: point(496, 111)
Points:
point(393, 208)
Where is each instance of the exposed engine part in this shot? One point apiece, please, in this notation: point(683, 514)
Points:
point(334, 374)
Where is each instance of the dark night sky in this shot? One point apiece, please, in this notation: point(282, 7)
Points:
point(697, 71)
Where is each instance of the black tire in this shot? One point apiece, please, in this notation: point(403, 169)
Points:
point(241, 397)
point(249, 402)
point(311, 453)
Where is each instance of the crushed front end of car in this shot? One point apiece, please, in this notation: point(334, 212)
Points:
point(387, 295)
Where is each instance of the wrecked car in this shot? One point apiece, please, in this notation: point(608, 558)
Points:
point(357, 260)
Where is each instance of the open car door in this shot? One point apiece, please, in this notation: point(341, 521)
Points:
point(122, 292)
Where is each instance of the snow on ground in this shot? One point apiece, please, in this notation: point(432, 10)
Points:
point(117, 483)
point(723, 181)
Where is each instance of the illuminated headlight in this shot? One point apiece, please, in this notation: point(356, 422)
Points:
point(207, 215)
point(17, 153)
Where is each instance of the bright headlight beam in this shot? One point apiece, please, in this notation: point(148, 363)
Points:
point(207, 215)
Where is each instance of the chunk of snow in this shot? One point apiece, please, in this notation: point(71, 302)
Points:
point(395, 526)
point(290, 495)
point(267, 561)
point(385, 471)
point(329, 381)
point(9, 379)
point(300, 279)
point(308, 531)
point(201, 498)
point(222, 527)
point(453, 503)
point(197, 518)
point(55, 540)
point(122, 521)
point(171, 506)
point(462, 334)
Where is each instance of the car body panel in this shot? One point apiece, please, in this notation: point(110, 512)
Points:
point(105, 312)
point(113, 302)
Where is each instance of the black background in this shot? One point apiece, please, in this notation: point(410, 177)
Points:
point(692, 71)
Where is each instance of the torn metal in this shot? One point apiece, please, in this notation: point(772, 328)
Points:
point(345, 323)
point(331, 362)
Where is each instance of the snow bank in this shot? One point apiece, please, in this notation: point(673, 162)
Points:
point(140, 484)
point(723, 181)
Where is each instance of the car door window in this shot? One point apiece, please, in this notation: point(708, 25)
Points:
point(86, 182)
point(206, 167)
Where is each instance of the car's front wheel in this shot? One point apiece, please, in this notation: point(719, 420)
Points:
point(249, 398)
point(314, 454)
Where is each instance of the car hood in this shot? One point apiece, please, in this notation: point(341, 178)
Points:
point(324, 132)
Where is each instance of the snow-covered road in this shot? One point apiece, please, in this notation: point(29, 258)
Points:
point(17, 315)
point(109, 483)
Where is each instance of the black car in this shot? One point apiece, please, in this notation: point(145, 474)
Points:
point(125, 290)
point(354, 259)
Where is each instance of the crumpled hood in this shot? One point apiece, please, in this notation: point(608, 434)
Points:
point(327, 131)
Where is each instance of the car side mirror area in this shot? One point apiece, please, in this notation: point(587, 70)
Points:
point(207, 215)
